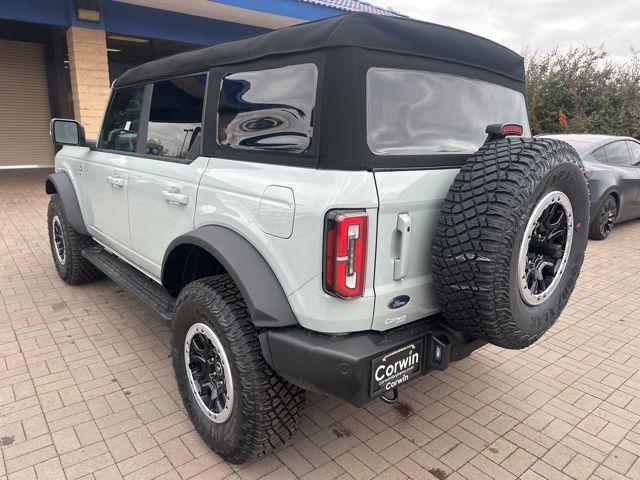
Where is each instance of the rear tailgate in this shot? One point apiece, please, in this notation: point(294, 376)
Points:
point(409, 208)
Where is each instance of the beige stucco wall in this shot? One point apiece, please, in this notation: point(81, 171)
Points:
point(89, 71)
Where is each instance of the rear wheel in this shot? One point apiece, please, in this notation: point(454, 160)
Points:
point(239, 406)
point(510, 241)
point(605, 217)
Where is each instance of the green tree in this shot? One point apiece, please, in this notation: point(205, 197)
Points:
point(583, 91)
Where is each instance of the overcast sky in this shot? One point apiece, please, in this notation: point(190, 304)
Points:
point(538, 24)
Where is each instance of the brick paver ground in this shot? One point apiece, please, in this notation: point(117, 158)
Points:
point(87, 388)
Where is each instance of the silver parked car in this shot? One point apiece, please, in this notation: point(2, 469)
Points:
point(612, 166)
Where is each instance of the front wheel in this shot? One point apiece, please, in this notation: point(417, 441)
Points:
point(239, 406)
point(67, 245)
point(605, 217)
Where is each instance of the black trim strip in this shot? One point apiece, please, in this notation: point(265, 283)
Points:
point(143, 122)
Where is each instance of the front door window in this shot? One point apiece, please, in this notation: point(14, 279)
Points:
point(122, 122)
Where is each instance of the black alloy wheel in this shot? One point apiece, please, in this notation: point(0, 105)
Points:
point(604, 219)
point(608, 216)
point(57, 239)
point(209, 372)
point(543, 257)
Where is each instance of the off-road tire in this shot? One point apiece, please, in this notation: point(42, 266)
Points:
point(266, 408)
point(481, 228)
point(76, 269)
point(596, 232)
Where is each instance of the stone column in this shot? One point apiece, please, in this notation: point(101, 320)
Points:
point(89, 71)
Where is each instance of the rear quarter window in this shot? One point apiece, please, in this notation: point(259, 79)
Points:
point(268, 110)
point(600, 155)
point(413, 112)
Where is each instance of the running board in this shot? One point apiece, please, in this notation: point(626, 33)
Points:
point(133, 280)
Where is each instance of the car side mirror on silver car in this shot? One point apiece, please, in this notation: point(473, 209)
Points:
point(66, 132)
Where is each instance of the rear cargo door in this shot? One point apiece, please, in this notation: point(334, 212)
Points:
point(409, 208)
point(428, 116)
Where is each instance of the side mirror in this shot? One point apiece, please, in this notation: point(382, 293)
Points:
point(66, 132)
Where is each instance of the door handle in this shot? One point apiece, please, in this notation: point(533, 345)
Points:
point(175, 198)
point(116, 182)
point(401, 264)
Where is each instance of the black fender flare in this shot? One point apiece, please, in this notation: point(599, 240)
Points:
point(266, 300)
point(60, 184)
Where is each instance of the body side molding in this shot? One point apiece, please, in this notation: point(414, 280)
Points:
point(263, 294)
point(60, 183)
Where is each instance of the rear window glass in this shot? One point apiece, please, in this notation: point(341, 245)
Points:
point(618, 154)
point(412, 112)
point(175, 117)
point(268, 109)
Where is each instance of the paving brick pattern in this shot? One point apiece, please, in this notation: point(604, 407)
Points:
point(87, 388)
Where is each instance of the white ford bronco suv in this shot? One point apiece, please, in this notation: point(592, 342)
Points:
point(339, 206)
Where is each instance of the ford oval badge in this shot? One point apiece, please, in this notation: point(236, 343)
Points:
point(399, 301)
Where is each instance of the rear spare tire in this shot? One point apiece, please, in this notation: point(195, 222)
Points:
point(510, 240)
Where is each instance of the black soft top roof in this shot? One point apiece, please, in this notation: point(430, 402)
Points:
point(359, 30)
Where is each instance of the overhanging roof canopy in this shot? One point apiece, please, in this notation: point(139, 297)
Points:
point(355, 6)
point(272, 14)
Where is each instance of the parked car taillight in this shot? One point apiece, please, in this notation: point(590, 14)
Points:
point(345, 252)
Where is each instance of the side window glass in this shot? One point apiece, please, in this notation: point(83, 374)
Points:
point(268, 109)
point(120, 130)
point(175, 117)
point(600, 155)
point(618, 154)
point(635, 152)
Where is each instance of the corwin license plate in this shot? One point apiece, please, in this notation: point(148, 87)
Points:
point(396, 367)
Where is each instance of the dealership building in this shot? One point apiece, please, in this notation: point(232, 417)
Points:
point(58, 58)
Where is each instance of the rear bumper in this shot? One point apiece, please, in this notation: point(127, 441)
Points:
point(341, 365)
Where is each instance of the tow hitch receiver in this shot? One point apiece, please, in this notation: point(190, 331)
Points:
point(439, 352)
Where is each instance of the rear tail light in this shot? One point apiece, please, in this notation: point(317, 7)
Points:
point(345, 252)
